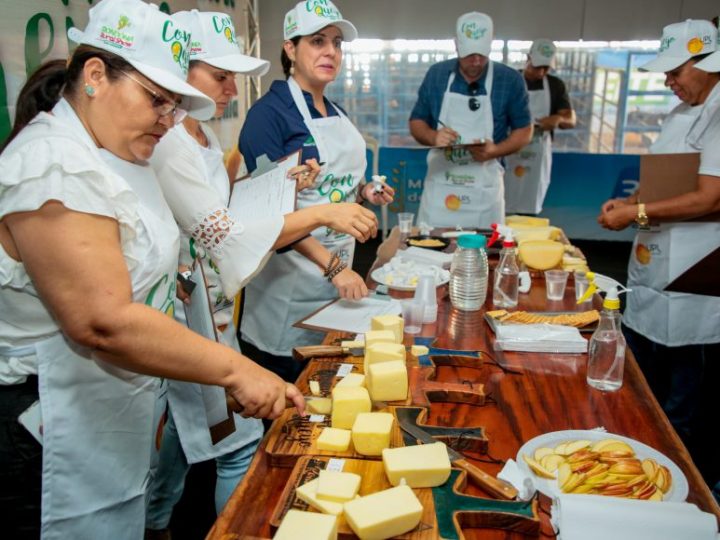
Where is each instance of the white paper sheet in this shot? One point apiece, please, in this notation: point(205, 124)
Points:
point(271, 193)
point(353, 316)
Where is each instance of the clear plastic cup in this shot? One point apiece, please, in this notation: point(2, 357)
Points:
point(425, 292)
point(413, 312)
point(405, 222)
point(555, 282)
point(581, 286)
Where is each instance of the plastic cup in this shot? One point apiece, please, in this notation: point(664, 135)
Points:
point(405, 222)
point(425, 292)
point(413, 312)
point(555, 282)
point(581, 286)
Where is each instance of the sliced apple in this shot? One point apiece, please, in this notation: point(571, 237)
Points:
point(627, 467)
point(617, 446)
point(657, 496)
point(583, 488)
point(573, 482)
point(649, 467)
point(582, 466)
point(574, 446)
point(646, 491)
point(537, 468)
point(601, 444)
point(542, 452)
point(552, 462)
point(563, 474)
point(560, 449)
point(599, 468)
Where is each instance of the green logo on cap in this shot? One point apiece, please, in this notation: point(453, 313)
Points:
point(472, 31)
point(290, 24)
point(116, 37)
point(179, 40)
point(323, 8)
point(545, 50)
point(665, 43)
point(123, 22)
point(223, 25)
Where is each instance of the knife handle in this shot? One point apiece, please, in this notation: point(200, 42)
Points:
point(316, 351)
point(489, 483)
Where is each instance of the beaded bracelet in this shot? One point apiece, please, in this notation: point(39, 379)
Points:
point(335, 271)
point(331, 265)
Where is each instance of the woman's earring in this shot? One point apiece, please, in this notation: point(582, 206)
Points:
point(292, 67)
point(89, 90)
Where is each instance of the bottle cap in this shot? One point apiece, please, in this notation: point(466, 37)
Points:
point(508, 241)
point(611, 299)
point(471, 241)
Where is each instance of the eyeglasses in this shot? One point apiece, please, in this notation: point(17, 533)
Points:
point(160, 104)
point(473, 104)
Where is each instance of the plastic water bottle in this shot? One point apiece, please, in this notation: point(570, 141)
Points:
point(469, 273)
point(507, 274)
point(606, 355)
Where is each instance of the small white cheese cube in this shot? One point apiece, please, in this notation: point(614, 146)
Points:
point(388, 381)
point(307, 525)
point(348, 402)
point(424, 465)
point(319, 405)
point(371, 433)
point(351, 379)
point(314, 388)
point(384, 514)
point(338, 486)
point(389, 322)
point(308, 494)
point(334, 440)
point(419, 350)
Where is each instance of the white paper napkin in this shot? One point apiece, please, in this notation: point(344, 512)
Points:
point(552, 338)
point(520, 481)
point(427, 256)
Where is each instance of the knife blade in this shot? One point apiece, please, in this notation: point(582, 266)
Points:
point(323, 351)
point(492, 485)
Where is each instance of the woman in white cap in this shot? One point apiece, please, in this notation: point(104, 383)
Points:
point(87, 270)
point(293, 115)
point(674, 334)
point(190, 169)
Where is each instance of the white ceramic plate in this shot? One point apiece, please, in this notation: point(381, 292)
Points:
point(380, 274)
point(678, 492)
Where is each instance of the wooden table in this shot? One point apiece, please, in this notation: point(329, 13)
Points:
point(549, 394)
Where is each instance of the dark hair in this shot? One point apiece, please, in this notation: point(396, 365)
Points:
point(285, 59)
point(54, 78)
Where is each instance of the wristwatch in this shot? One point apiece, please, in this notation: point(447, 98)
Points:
point(642, 217)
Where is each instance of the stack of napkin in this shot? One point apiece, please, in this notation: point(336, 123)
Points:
point(547, 338)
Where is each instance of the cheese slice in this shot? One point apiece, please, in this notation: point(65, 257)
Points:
point(352, 344)
point(319, 405)
point(351, 379)
point(348, 402)
point(530, 221)
point(387, 381)
point(389, 322)
point(308, 494)
point(334, 439)
point(419, 350)
point(384, 514)
point(314, 388)
point(338, 487)
point(541, 254)
point(307, 525)
point(383, 352)
point(371, 433)
point(423, 465)
point(379, 336)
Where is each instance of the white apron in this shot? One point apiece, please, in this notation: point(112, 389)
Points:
point(459, 190)
point(527, 172)
point(188, 401)
point(98, 418)
point(291, 287)
point(662, 254)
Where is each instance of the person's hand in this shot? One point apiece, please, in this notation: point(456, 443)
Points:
point(349, 218)
point(445, 136)
point(384, 197)
point(549, 123)
point(259, 392)
point(618, 218)
point(612, 203)
point(305, 174)
point(350, 285)
point(483, 152)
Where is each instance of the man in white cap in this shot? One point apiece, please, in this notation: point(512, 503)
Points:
point(527, 175)
point(482, 105)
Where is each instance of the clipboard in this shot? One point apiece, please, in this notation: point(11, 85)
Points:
point(200, 319)
point(385, 306)
point(701, 278)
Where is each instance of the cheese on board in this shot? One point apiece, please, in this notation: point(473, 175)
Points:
point(308, 494)
point(307, 525)
point(387, 381)
point(338, 486)
point(314, 388)
point(419, 350)
point(371, 433)
point(530, 221)
point(389, 322)
point(423, 465)
point(541, 254)
point(319, 405)
point(383, 352)
point(348, 402)
point(351, 379)
point(384, 514)
point(379, 336)
point(334, 439)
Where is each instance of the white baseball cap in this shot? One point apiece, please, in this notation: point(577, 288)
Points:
point(154, 43)
point(213, 42)
point(711, 63)
point(542, 52)
point(682, 41)
point(474, 34)
point(309, 16)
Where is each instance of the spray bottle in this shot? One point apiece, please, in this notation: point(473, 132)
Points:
point(505, 287)
point(524, 281)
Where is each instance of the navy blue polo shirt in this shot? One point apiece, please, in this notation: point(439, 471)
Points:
point(274, 126)
point(509, 96)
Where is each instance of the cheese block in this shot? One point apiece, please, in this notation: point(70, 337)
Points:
point(423, 465)
point(524, 233)
point(351, 379)
point(348, 402)
point(314, 387)
point(308, 494)
point(379, 336)
point(383, 352)
point(387, 381)
point(307, 525)
point(541, 254)
point(371, 433)
point(334, 439)
point(319, 405)
point(338, 486)
point(419, 350)
point(355, 344)
point(384, 514)
point(530, 221)
point(389, 322)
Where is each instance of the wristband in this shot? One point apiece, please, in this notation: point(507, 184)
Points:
point(335, 271)
point(332, 264)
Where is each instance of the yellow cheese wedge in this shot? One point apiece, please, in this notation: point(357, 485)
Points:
point(387, 381)
point(307, 525)
point(384, 514)
point(419, 350)
point(523, 233)
point(319, 405)
point(348, 402)
point(338, 486)
point(424, 465)
point(383, 352)
point(371, 433)
point(308, 494)
point(389, 322)
point(531, 221)
point(541, 254)
point(352, 344)
point(351, 379)
point(379, 336)
point(334, 439)
point(314, 387)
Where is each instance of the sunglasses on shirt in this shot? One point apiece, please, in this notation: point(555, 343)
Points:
point(473, 104)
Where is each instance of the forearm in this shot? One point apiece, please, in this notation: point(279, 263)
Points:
point(566, 118)
point(297, 225)
point(704, 200)
point(313, 250)
point(422, 132)
point(518, 139)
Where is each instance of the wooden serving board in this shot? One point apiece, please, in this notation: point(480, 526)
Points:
point(446, 510)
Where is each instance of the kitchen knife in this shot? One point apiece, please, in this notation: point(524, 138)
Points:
point(492, 485)
point(321, 351)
